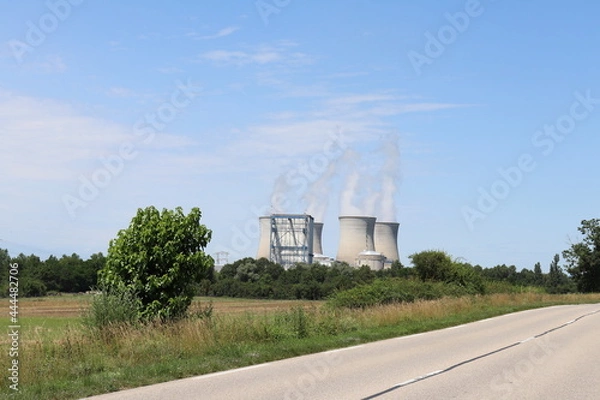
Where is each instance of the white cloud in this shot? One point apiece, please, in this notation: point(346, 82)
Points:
point(278, 53)
point(222, 33)
point(351, 100)
point(115, 45)
point(48, 140)
point(45, 138)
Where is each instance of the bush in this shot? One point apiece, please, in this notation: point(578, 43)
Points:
point(112, 307)
point(159, 257)
point(33, 288)
point(394, 290)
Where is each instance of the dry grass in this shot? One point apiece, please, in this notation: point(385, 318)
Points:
point(79, 362)
point(73, 305)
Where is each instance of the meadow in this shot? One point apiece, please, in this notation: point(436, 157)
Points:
point(62, 358)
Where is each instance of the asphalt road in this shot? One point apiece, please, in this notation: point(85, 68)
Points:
point(549, 353)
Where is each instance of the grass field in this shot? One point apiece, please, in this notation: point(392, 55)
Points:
point(62, 359)
point(69, 306)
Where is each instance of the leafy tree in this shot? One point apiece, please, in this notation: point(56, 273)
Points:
point(248, 272)
point(432, 265)
point(583, 258)
point(159, 258)
point(525, 277)
point(539, 276)
point(501, 273)
point(30, 284)
point(557, 281)
point(4, 267)
point(435, 265)
point(91, 266)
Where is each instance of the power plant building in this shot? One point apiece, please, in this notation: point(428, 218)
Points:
point(372, 259)
point(288, 239)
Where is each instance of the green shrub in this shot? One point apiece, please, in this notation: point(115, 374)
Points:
point(111, 307)
point(394, 290)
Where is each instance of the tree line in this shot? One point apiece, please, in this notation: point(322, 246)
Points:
point(252, 278)
point(67, 274)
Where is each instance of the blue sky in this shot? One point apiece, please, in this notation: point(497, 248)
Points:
point(472, 123)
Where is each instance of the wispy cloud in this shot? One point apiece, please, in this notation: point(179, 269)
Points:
point(363, 117)
point(115, 45)
point(51, 140)
point(222, 33)
point(354, 99)
point(279, 53)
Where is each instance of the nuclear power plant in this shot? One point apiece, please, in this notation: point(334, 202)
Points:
point(291, 238)
point(287, 239)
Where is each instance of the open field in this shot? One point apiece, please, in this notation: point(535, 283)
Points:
point(72, 306)
point(48, 317)
point(62, 359)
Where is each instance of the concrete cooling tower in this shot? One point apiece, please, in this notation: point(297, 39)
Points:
point(264, 242)
point(386, 240)
point(356, 236)
point(318, 238)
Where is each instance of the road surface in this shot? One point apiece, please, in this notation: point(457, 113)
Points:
point(549, 353)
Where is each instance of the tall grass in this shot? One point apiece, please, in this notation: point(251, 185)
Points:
point(110, 307)
point(82, 362)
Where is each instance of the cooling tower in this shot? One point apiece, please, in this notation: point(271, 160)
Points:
point(356, 236)
point(386, 239)
point(317, 238)
point(264, 242)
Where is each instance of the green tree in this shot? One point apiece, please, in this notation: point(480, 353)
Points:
point(30, 268)
point(539, 276)
point(4, 267)
point(557, 281)
point(501, 273)
point(434, 265)
point(159, 258)
point(583, 258)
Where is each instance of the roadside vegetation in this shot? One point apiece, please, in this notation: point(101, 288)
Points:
point(141, 325)
point(62, 358)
